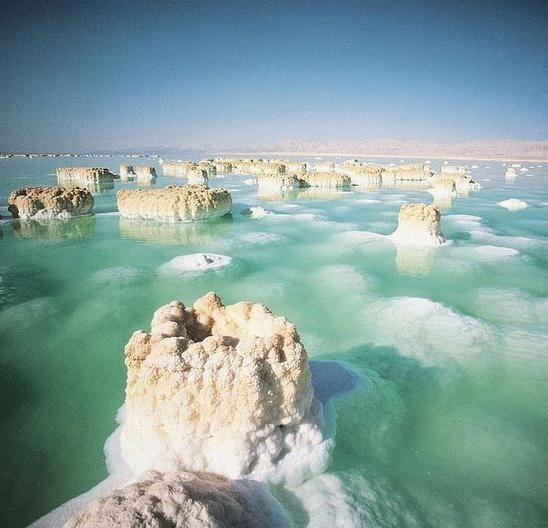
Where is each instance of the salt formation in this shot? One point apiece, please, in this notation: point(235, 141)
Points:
point(127, 172)
point(145, 174)
point(185, 203)
point(454, 169)
point(197, 176)
point(463, 183)
point(256, 212)
point(194, 262)
point(84, 175)
point(177, 168)
point(444, 186)
point(324, 179)
point(224, 389)
point(49, 202)
point(510, 173)
point(417, 172)
point(324, 166)
point(183, 500)
point(418, 225)
point(513, 204)
point(280, 182)
point(443, 192)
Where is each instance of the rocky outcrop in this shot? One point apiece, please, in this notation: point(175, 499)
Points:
point(418, 225)
point(145, 174)
point(42, 203)
point(197, 176)
point(217, 388)
point(325, 179)
point(209, 168)
point(185, 203)
point(182, 500)
point(127, 173)
point(84, 175)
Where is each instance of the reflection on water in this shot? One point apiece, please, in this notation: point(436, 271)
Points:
point(192, 233)
point(404, 184)
point(92, 187)
point(443, 201)
point(78, 227)
point(414, 261)
point(308, 193)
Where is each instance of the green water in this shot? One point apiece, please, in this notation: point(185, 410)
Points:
point(441, 357)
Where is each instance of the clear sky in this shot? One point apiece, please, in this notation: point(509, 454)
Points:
point(93, 75)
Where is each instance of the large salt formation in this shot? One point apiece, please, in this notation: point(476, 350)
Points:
point(42, 203)
point(145, 174)
point(416, 172)
point(181, 500)
point(184, 203)
point(418, 225)
point(127, 173)
point(325, 179)
point(84, 175)
point(366, 174)
point(216, 388)
point(280, 182)
point(459, 175)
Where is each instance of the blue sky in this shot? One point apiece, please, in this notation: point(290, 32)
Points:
point(227, 74)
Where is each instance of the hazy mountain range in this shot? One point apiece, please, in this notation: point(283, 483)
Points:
point(489, 149)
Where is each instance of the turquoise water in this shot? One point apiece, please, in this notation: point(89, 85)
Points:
point(441, 357)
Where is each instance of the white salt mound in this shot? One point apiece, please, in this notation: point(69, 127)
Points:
point(256, 212)
point(513, 204)
point(194, 262)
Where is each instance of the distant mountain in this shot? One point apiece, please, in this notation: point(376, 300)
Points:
point(490, 149)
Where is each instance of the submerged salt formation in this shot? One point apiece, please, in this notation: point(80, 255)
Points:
point(182, 500)
point(127, 172)
point(510, 173)
point(218, 388)
point(184, 203)
point(513, 204)
point(84, 174)
point(42, 203)
point(325, 179)
point(418, 225)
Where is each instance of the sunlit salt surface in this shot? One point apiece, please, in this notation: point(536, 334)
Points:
point(432, 363)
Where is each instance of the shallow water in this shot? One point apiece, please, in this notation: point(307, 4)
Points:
point(441, 362)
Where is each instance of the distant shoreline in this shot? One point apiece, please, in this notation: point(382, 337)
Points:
point(394, 156)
